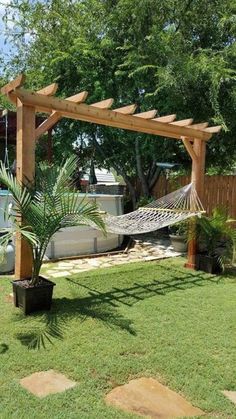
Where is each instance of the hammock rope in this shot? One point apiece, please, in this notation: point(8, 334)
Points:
point(172, 208)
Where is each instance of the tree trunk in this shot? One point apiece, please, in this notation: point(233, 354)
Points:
point(154, 178)
point(144, 185)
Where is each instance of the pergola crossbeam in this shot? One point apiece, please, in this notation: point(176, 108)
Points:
point(200, 125)
point(126, 110)
point(100, 116)
point(103, 104)
point(147, 115)
point(49, 90)
point(183, 122)
point(167, 118)
point(9, 87)
point(213, 130)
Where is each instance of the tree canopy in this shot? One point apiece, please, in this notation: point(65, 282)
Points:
point(177, 57)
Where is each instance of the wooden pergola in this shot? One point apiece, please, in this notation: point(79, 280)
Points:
point(28, 103)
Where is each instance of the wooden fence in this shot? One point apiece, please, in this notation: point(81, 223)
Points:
point(219, 191)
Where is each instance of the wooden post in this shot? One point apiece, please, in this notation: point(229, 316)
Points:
point(197, 177)
point(25, 170)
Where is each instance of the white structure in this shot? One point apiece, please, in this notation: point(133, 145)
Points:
point(5, 201)
point(73, 241)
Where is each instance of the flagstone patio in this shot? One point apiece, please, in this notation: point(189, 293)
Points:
point(146, 248)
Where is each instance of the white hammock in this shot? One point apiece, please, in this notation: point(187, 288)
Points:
point(172, 208)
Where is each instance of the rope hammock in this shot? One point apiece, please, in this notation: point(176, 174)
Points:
point(172, 208)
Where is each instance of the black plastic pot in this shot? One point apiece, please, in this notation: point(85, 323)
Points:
point(35, 298)
point(209, 264)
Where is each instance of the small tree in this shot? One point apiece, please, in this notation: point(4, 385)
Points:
point(45, 206)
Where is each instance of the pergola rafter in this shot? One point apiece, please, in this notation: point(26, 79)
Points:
point(193, 136)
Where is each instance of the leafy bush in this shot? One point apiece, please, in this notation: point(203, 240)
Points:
point(144, 200)
point(217, 235)
point(179, 229)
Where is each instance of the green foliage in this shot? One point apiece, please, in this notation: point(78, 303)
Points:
point(217, 235)
point(179, 229)
point(144, 200)
point(45, 207)
point(177, 57)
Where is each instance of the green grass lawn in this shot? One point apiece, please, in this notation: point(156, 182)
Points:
point(108, 326)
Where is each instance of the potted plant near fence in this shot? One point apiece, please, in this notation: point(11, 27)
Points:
point(216, 238)
point(178, 236)
point(45, 206)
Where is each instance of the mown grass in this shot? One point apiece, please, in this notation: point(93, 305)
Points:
point(109, 326)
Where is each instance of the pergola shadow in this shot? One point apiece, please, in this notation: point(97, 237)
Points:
point(104, 305)
point(140, 291)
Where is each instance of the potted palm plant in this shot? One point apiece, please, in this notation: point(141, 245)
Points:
point(45, 206)
point(216, 240)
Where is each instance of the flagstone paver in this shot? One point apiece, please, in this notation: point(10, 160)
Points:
point(231, 395)
point(147, 397)
point(46, 382)
point(146, 248)
point(60, 274)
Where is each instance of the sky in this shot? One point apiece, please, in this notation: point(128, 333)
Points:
point(4, 44)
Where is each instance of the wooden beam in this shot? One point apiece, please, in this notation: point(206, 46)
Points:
point(213, 130)
point(183, 122)
point(47, 124)
point(25, 169)
point(189, 148)
point(56, 116)
point(201, 125)
point(147, 115)
point(127, 110)
point(167, 118)
point(9, 87)
point(103, 104)
point(107, 117)
point(49, 90)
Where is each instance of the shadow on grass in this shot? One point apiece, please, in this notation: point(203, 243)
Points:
point(102, 306)
point(140, 291)
point(52, 325)
point(3, 348)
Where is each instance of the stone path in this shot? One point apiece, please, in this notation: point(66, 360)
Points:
point(147, 397)
point(146, 248)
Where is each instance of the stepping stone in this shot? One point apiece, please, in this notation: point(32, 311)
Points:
point(60, 274)
point(147, 397)
point(150, 258)
point(94, 262)
point(231, 395)
point(65, 264)
point(62, 268)
point(46, 382)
